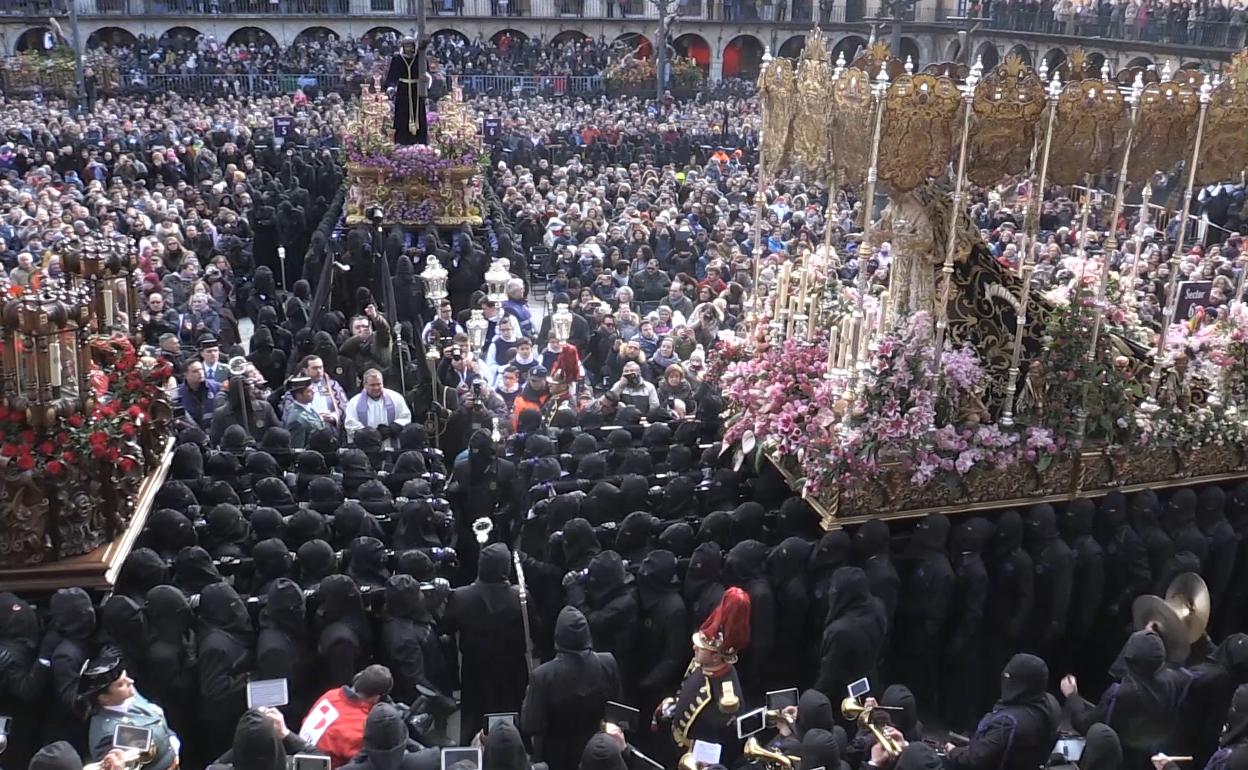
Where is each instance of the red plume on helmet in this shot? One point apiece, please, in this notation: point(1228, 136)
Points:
point(727, 630)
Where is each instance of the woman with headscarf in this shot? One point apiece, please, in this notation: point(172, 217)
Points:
point(344, 639)
point(853, 634)
point(225, 641)
point(1021, 729)
point(283, 648)
point(1143, 707)
point(23, 679)
point(172, 655)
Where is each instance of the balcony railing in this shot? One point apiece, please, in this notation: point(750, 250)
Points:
point(1219, 28)
point(1170, 29)
point(201, 85)
point(773, 11)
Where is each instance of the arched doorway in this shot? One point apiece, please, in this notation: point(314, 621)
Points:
point(1140, 61)
point(792, 48)
point(1054, 58)
point(316, 35)
point(506, 38)
point(1022, 53)
point(910, 48)
point(252, 36)
point(848, 48)
point(36, 39)
point(379, 37)
point(179, 38)
point(111, 37)
point(634, 42)
point(953, 50)
point(568, 36)
point(743, 57)
point(987, 54)
point(692, 46)
point(1096, 61)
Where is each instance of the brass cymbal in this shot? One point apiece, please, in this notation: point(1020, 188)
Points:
point(1189, 596)
point(1153, 609)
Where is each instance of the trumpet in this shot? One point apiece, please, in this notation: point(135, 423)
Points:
point(771, 758)
point(481, 529)
point(853, 710)
point(777, 716)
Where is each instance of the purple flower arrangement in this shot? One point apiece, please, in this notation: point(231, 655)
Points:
point(408, 161)
point(905, 416)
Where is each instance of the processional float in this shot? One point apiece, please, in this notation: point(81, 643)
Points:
point(955, 383)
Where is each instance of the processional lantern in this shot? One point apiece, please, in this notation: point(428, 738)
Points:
point(477, 327)
point(561, 321)
point(434, 277)
point(496, 279)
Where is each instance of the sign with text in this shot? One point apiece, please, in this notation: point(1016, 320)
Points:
point(491, 129)
point(1192, 294)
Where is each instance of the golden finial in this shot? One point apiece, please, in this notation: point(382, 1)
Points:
point(1013, 65)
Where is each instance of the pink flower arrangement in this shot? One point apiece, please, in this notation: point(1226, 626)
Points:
point(904, 415)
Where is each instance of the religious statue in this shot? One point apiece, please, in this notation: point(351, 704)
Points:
point(915, 224)
point(408, 77)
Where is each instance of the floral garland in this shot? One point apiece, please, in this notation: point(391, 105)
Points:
point(905, 415)
point(408, 161)
point(126, 387)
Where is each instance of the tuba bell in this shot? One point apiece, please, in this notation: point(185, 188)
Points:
point(854, 711)
point(1180, 619)
point(237, 366)
point(771, 758)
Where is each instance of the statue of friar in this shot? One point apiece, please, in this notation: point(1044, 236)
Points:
point(409, 78)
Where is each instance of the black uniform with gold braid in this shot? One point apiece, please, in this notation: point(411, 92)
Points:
point(709, 698)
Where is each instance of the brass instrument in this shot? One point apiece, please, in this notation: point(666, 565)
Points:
point(133, 759)
point(481, 529)
point(1180, 619)
point(237, 366)
point(853, 710)
point(771, 758)
point(777, 716)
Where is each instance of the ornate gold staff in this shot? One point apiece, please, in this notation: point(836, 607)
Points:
point(1146, 195)
point(946, 270)
point(1206, 91)
point(858, 332)
point(1026, 263)
point(1111, 243)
